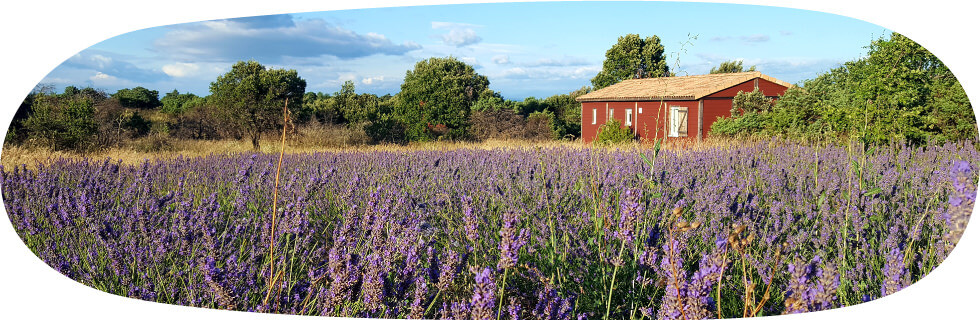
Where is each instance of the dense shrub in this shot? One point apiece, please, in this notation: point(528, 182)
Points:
point(385, 129)
point(201, 122)
point(61, 123)
point(156, 142)
point(900, 91)
point(613, 131)
point(496, 124)
point(540, 126)
point(138, 98)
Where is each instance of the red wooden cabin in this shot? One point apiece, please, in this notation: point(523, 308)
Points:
point(671, 107)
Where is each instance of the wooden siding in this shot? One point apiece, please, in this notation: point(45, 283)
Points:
point(652, 123)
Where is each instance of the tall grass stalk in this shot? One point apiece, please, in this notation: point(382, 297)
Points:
point(275, 199)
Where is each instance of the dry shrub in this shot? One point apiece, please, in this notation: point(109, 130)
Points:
point(202, 122)
point(496, 124)
point(156, 142)
point(538, 127)
point(328, 135)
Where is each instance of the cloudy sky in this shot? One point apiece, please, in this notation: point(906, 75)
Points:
point(525, 49)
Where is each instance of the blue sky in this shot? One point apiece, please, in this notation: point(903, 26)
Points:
point(525, 49)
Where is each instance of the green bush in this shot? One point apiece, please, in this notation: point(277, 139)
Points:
point(61, 124)
point(613, 132)
point(385, 129)
point(899, 92)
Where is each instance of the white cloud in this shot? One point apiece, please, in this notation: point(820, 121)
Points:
point(560, 62)
point(549, 73)
point(99, 76)
point(515, 73)
point(272, 38)
point(105, 62)
point(471, 61)
point(347, 76)
point(99, 60)
point(589, 71)
point(501, 59)
point(372, 80)
point(181, 69)
point(459, 35)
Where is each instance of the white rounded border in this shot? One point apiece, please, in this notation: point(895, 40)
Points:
point(38, 36)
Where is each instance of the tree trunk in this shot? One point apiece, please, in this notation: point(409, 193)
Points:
point(255, 139)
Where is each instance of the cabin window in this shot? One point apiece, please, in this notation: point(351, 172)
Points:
point(610, 115)
point(678, 122)
point(593, 116)
point(640, 111)
point(629, 117)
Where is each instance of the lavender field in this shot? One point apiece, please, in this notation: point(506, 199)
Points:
point(539, 233)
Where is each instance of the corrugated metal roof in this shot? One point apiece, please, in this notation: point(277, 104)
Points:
point(674, 88)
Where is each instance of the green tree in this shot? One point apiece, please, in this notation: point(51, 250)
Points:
point(632, 57)
point(899, 92)
point(175, 102)
point(346, 103)
point(319, 107)
point(568, 113)
point(61, 123)
point(734, 66)
point(492, 103)
point(750, 102)
point(251, 97)
point(138, 98)
point(436, 98)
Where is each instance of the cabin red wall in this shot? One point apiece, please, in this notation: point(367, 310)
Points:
point(649, 126)
point(719, 104)
point(747, 86)
point(713, 109)
point(768, 88)
point(771, 89)
point(652, 123)
point(589, 130)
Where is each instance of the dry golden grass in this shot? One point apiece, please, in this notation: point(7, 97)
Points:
point(14, 155)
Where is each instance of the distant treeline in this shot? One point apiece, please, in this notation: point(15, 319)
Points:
point(441, 99)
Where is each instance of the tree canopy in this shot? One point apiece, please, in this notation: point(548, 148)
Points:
point(436, 98)
point(632, 57)
point(900, 91)
point(733, 66)
point(251, 96)
point(175, 102)
point(138, 98)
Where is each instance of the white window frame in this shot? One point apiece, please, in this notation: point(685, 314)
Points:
point(610, 115)
point(678, 116)
point(629, 117)
point(594, 118)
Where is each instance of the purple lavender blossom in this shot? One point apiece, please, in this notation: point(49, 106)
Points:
point(483, 302)
point(893, 271)
point(961, 200)
point(372, 233)
point(630, 209)
point(511, 241)
point(471, 223)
